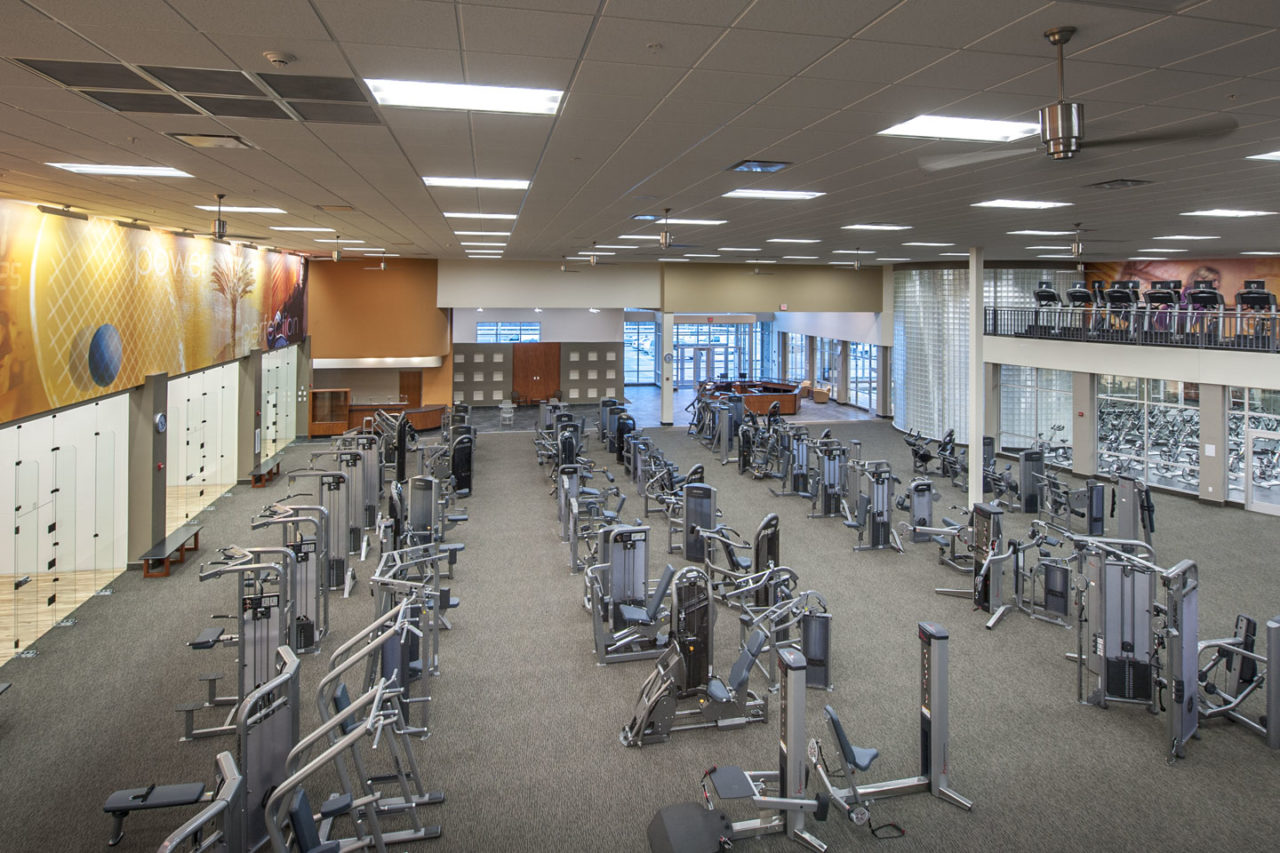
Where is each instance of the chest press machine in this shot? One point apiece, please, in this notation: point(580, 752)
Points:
point(629, 618)
point(781, 795)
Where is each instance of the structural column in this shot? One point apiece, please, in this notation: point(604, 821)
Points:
point(842, 371)
point(977, 384)
point(1213, 443)
point(148, 453)
point(249, 418)
point(667, 368)
point(1084, 425)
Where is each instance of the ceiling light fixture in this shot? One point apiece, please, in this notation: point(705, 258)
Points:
point(929, 244)
point(537, 310)
point(122, 171)
point(1148, 258)
point(768, 166)
point(342, 240)
point(1048, 248)
point(224, 209)
point(791, 240)
point(1164, 250)
point(1021, 204)
point(464, 96)
point(673, 260)
point(799, 257)
point(594, 310)
point(638, 237)
point(735, 249)
point(1068, 257)
point(483, 233)
point(955, 127)
point(853, 251)
point(1188, 237)
point(876, 226)
point(1260, 253)
point(1270, 155)
point(892, 260)
point(299, 228)
point(457, 215)
point(1228, 213)
point(774, 195)
point(614, 246)
point(1031, 232)
point(653, 217)
point(210, 140)
point(953, 254)
point(480, 243)
point(695, 255)
point(476, 183)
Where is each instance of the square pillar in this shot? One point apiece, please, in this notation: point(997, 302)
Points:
point(1084, 425)
point(1213, 443)
point(977, 419)
point(148, 456)
point(667, 368)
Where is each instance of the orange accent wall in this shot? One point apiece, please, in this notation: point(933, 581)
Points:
point(359, 313)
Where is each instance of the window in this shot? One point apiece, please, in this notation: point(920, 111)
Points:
point(1035, 405)
point(508, 333)
point(864, 375)
point(1256, 409)
point(640, 343)
point(1150, 429)
point(762, 360)
point(797, 357)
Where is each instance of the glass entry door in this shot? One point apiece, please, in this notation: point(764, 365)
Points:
point(697, 364)
point(1262, 480)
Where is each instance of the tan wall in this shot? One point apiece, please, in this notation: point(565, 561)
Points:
point(706, 288)
point(391, 313)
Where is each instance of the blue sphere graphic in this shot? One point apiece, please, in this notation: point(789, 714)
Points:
point(105, 350)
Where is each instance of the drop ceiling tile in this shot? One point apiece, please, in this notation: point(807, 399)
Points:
point(136, 15)
point(24, 28)
point(755, 51)
point(934, 22)
point(405, 63)
point(999, 105)
point(315, 88)
point(781, 117)
point(819, 17)
point(1080, 76)
point(317, 57)
point(1255, 56)
point(711, 12)
point(290, 19)
point(98, 75)
point(585, 7)
point(342, 113)
point(607, 107)
point(875, 62)
point(205, 82)
point(523, 32)
point(820, 92)
point(1170, 38)
point(973, 69)
point(1241, 11)
point(701, 84)
point(1095, 23)
point(1157, 84)
point(407, 23)
point(910, 101)
point(1228, 95)
point(47, 99)
point(650, 42)
point(681, 109)
point(501, 69)
point(619, 78)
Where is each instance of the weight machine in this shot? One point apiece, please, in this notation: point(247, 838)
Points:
point(628, 618)
point(873, 507)
point(831, 487)
point(310, 593)
point(334, 496)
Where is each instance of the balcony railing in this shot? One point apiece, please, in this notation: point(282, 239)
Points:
point(1197, 328)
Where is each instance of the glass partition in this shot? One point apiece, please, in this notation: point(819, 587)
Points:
point(1150, 428)
point(864, 375)
point(1252, 409)
point(640, 340)
point(797, 357)
point(1035, 407)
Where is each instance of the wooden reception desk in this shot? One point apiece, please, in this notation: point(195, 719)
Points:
point(758, 396)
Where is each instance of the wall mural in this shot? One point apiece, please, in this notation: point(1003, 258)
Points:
point(1227, 274)
point(89, 307)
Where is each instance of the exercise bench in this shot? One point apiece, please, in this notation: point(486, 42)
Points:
point(263, 474)
point(120, 804)
point(176, 543)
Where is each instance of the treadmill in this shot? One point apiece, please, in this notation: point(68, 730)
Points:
point(1121, 300)
point(1205, 305)
point(1256, 332)
point(1081, 297)
point(1047, 299)
point(1162, 299)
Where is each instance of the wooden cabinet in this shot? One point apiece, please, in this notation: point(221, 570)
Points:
point(329, 410)
point(535, 371)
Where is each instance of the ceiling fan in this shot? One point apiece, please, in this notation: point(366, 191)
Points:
point(1062, 127)
point(564, 265)
point(219, 229)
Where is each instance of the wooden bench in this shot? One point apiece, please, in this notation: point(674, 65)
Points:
point(264, 473)
point(166, 548)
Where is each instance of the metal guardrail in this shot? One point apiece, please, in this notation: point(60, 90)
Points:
point(1188, 327)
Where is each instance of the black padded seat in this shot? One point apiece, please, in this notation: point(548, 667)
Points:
point(856, 756)
point(741, 672)
point(305, 833)
point(649, 613)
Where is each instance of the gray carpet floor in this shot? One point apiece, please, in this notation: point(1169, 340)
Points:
point(525, 723)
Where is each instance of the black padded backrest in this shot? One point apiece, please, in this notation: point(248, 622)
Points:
point(664, 586)
point(306, 835)
point(846, 749)
point(741, 672)
point(342, 701)
point(696, 474)
point(765, 547)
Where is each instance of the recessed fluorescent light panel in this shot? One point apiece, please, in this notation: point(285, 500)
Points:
point(791, 240)
point(1260, 253)
point(735, 249)
point(639, 237)
point(476, 183)
point(299, 228)
point(342, 240)
point(775, 195)
point(692, 255)
point(1228, 213)
point(761, 261)
point(1021, 204)
point(226, 209)
point(953, 254)
point(758, 166)
point(928, 244)
point(1031, 232)
point(130, 171)
point(891, 260)
point(1188, 237)
point(510, 217)
point(876, 226)
point(1270, 155)
point(1049, 248)
point(1062, 257)
point(465, 243)
point(1149, 258)
point(654, 217)
point(799, 257)
point(1164, 251)
point(674, 260)
point(589, 254)
point(853, 251)
point(462, 96)
point(609, 246)
point(483, 233)
point(952, 127)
